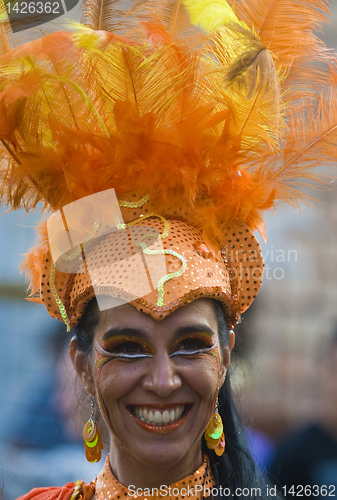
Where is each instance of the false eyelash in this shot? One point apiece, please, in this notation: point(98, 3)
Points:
point(129, 356)
point(118, 355)
point(185, 352)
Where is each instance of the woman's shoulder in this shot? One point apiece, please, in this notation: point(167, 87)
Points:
point(70, 491)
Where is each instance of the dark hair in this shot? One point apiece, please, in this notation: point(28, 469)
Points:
point(236, 469)
point(85, 329)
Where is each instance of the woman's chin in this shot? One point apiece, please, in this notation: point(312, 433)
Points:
point(157, 444)
point(162, 455)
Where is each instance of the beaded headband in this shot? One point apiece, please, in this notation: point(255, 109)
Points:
point(102, 247)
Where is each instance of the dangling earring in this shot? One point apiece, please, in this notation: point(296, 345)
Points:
point(92, 437)
point(215, 438)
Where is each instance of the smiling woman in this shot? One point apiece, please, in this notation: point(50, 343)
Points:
point(169, 375)
point(156, 139)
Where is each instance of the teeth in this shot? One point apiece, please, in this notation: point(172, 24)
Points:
point(166, 417)
point(157, 417)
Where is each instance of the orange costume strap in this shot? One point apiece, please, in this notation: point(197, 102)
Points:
point(70, 491)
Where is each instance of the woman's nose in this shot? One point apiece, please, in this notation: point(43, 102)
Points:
point(162, 377)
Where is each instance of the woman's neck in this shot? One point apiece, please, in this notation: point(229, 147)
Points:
point(130, 471)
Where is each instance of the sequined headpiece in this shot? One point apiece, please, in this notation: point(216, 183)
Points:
point(157, 140)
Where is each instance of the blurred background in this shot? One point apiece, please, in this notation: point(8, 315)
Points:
point(284, 369)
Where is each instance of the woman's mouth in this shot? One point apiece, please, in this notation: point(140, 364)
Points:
point(160, 418)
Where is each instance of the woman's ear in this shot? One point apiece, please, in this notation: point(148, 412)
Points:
point(82, 366)
point(226, 356)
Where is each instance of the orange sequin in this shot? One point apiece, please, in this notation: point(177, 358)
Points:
point(108, 488)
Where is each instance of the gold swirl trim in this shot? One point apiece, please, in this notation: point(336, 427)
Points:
point(56, 297)
point(134, 204)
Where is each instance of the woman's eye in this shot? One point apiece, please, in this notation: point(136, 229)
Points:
point(128, 348)
point(191, 346)
point(125, 348)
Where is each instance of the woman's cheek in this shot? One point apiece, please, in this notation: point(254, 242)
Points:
point(114, 378)
point(215, 352)
point(202, 374)
point(99, 362)
point(207, 380)
point(107, 371)
point(213, 358)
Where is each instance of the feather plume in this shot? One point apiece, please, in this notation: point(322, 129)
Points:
point(229, 119)
point(311, 139)
point(5, 30)
point(210, 15)
point(171, 14)
point(286, 27)
point(248, 63)
point(102, 15)
point(35, 260)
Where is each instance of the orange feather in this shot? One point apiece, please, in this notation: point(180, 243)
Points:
point(34, 261)
point(229, 120)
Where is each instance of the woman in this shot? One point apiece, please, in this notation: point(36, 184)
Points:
point(157, 149)
point(170, 373)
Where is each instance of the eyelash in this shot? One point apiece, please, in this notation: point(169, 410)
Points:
point(124, 346)
point(120, 350)
point(194, 346)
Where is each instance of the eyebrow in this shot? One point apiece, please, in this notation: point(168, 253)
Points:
point(185, 330)
point(136, 332)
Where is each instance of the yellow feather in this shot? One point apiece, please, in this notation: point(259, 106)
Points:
point(5, 29)
point(3, 12)
point(288, 28)
point(210, 14)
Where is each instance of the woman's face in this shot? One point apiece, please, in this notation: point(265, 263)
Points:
point(156, 381)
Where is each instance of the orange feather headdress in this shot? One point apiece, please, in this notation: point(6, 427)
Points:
point(200, 116)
